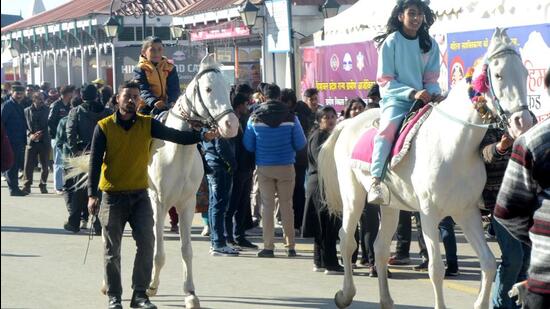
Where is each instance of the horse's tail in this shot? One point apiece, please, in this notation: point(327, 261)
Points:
point(78, 167)
point(327, 173)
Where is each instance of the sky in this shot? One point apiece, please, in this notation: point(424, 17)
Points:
point(15, 7)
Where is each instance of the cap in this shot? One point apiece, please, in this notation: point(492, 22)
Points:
point(98, 81)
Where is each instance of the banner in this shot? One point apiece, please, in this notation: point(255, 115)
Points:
point(223, 31)
point(278, 31)
point(466, 49)
point(339, 72)
point(185, 58)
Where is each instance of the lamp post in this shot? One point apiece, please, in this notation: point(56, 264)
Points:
point(176, 31)
point(142, 8)
point(249, 13)
point(111, 30)
point(330, 8)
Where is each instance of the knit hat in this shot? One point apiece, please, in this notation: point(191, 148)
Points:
point(89, 93)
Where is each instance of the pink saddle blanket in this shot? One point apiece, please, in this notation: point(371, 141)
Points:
point(364, 147)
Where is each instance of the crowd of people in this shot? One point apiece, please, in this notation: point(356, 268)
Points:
point(268, 172)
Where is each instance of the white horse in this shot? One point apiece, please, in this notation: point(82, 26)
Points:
point(442, 175)
point(176, 171)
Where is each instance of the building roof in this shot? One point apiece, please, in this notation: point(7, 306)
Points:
point(75, 9)
point(8, 19)
point(202, 6)
point(71, 10)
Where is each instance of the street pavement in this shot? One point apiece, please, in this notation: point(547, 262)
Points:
point(42, 267)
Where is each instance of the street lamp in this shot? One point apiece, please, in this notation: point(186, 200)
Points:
point(13, 51)
point(111, 27)
point(330, 8)
point(176, 31)
point(249, 12)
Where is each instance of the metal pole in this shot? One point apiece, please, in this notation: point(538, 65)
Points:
point(144, 3)
point(82, 61)
point(42, 65)
point(97, 55)
point(55, 68)
point(30, 79)
point(113, 62)
point(292, 61)
point(21, 62)
point(68, 67)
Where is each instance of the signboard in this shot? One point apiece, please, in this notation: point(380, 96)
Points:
point(339, 72)
point(223, 31)
point(278, 30)
point(185, 58)
point(466, 49)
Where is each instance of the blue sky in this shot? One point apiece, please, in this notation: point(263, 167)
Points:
point(25, 6)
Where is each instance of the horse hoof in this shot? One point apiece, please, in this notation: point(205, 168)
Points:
point(151, 291)
point(192, 302)
point(103, 290)
point(340, 300)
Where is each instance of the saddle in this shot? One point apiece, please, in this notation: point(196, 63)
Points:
point(361, 157)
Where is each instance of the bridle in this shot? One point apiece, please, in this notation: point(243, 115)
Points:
point(502, 114)
point(209, 121)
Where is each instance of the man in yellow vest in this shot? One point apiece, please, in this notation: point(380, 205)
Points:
point(118, 164)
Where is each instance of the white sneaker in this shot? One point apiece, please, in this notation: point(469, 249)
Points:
point(376, 195)
point(318, 269)
point(83, 224)
point(205, 231)
point(224, 251)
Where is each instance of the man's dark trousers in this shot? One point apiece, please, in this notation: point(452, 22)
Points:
point(12, 176)
point(239, 207)
point(37, 152)
point(76, 200)
point(117, 209)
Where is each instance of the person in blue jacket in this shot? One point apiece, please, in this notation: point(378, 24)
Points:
point(13, 117)
point(157, 77)
point(274, 134)
point(408, 69)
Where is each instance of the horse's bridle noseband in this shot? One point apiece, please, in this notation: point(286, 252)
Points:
point(209, 121)
point(503, 123)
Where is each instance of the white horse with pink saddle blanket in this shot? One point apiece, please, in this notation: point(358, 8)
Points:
point(441, 175)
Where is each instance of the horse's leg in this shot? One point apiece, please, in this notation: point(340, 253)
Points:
point(388, 225)
point(436, 267)
point(159, 258)
point(186, 214)
point(354, 201)
point(470, 222)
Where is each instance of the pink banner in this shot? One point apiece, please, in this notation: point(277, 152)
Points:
point(339, 72)
point(224, 31)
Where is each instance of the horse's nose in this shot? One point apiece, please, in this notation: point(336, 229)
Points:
point(228, 123)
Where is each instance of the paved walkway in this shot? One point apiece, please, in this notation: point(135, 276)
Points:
point(42, 267)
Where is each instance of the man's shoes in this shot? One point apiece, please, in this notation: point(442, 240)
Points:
point(266, 253)
point(376, 195)
point(59, 192)
point(318, 269)
point(224, 251)
point(451, 272)
point(18, 192)
point(174, 228)
point(43, 189)
point(422, 266)
point(291, 253)
point(374, 274)
point(26, 190)
point(141, 300)
point(115, 302)
point(71, 228)
point(97, 231)
point(205, 231)
point(245, 243)
point(336, 270)
point(397, 260)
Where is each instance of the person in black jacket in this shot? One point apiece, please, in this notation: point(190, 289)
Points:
point(80, 126)
point(59, 109)
point(239, 203)
point(13, 118)
point(38, 146)
point(318, 222)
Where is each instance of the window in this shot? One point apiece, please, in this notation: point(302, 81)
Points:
point(163, 33)
point(139, 33)
point(127, 34)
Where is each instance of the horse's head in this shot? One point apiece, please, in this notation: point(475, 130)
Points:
point(208, 96)
point(506, 83)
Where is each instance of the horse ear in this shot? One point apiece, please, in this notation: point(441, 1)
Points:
point(505, 36)
point(209, 59)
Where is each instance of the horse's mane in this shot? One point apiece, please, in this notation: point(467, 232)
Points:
point(208, 66)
